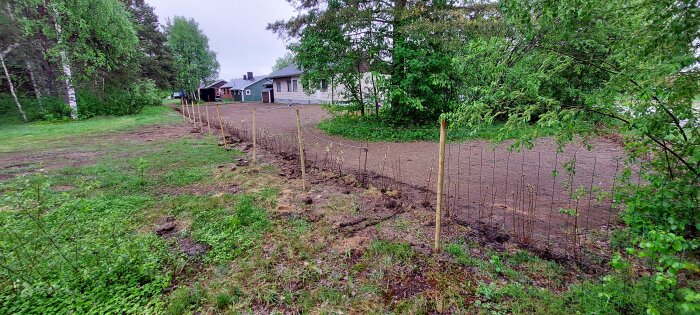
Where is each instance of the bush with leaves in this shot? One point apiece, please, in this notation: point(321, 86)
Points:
point(567, 64)
point(119, 101)
point(69, 253)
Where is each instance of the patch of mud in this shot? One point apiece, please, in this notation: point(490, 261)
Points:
point(191, 248)
point(406, 287)
point(354, 243)
point(168, 228)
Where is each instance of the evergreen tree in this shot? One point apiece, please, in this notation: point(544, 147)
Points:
point(156, 59)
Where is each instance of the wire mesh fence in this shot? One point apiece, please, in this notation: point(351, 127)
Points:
point(543, 198)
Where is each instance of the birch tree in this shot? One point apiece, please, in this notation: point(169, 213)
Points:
point(84, 37)
point(67, 71)
point(195, 63)
point(3, 54)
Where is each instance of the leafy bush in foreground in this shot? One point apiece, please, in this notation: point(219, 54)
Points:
point(62, 254)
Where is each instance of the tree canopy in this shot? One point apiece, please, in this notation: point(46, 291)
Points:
point(195, 63)
point(99, 57)
point(283, 61)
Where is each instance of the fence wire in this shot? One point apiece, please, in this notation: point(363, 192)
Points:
point(556, 199)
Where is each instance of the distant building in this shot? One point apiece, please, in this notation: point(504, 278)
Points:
point(248, 89)
point(211, 92)
point(288, 88)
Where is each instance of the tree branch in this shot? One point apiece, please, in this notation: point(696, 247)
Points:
point(663, 145)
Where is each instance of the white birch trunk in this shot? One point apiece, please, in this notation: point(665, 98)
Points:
point(67, 73)
point(37, 92)
point(9, 79)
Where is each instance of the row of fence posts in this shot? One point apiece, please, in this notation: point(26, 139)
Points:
point(190, 114)
point(188, 109)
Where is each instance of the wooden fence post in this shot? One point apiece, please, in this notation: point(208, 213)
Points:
point(187, 110)
point(223, 135)
point(192, 118)
point(199, 114)
point(301, 152)
point(255, 140)
point(208, 119)
point(182, 111)
point(441, 175)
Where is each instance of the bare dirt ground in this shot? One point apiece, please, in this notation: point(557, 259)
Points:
point(515, 192)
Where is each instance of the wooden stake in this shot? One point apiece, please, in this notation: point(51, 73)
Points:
point(301, 152)
point(192, 118)
point(199, 114)
point(441, 174)
point(182, 110)
point(223, 136)
point(208, 119)
point(255, 140)
point(186, 110)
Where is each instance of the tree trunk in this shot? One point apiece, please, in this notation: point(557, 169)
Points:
point(376, 96)
point(9, 79)
point(37, 92)
point(397, 62)
point(68, 74)
point(362, 101)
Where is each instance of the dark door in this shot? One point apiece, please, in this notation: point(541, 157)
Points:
point(266, 97)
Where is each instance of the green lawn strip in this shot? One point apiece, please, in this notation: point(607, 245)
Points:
point(173, 101)
point(18, 137)
point(371, 129)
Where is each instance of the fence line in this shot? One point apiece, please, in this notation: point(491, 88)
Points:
point(537, 197)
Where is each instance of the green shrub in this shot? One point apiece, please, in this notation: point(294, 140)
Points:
point(65, 253)
point(50, 109)
point(118, 101)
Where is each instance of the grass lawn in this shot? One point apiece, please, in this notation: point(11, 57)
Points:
point(371, 129)
point(18, 137)
point(171, 225)
point(173, 101)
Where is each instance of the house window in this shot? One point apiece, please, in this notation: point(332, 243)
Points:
point(247, 92)
point(289, 85)
point(324, 86)
point(294, 85)
point(279, 86)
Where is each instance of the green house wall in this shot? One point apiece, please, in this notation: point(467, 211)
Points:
point(255, 91)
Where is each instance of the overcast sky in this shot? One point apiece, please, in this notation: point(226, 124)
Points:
point(236, 30)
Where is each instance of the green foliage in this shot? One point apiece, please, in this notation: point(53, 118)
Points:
point(229, 231)
point(73, 255)
point(110, 42)
point(50, 109)
point(569, 64)
point(399, 252)
point(186, 299)
point(370, 128)
point(118, 102)
point(156, 60)
point(194, 62)
point(612, 296)
point(284, 61)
